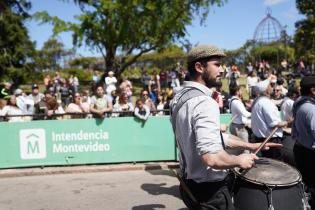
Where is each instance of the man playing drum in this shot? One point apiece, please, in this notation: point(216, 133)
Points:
point(303, 131)
point(195, 118)
point(265, 118)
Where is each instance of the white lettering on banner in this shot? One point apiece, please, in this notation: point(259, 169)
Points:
point(81, 141)
point(91, 147)
point(79, 136)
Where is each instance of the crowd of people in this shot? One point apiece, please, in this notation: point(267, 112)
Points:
point(63, 98)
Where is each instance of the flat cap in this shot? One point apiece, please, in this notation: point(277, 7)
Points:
point(204, 51)
point(308, 81)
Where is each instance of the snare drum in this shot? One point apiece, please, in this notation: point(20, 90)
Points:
point(270, 184)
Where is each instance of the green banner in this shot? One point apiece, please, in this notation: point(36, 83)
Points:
point(83, 141)
point(87, 141)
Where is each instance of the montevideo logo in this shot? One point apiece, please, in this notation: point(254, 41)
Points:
point(32, 144)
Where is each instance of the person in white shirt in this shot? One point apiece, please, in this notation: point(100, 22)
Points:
point(240, 116)
point(265, 118)
point(110, 82)
point(287, 105)
point(12, 109)
point(142, 111)
point(252, 80)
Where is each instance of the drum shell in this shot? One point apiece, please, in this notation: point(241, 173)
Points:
point(252, 196)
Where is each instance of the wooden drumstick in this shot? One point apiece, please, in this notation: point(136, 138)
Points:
point(243, 171)
point(266, 140)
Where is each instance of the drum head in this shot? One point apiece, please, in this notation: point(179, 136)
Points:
point(270, 172)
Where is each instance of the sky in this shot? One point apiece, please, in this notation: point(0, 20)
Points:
point(227, 27)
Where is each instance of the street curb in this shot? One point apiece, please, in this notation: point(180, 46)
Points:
point(20, 172)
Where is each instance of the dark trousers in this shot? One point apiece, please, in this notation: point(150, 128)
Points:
point(274, 153)
point(305, 159)
point(210, 195)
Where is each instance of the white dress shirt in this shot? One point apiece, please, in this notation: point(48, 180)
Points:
point(239, 113)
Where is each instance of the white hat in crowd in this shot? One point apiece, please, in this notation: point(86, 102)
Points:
point(262, 86)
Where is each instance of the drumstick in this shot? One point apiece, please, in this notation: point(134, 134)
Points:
point(266, 140)
point(185, 187)
point(243, 171)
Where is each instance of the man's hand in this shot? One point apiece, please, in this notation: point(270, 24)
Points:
point(246, 161)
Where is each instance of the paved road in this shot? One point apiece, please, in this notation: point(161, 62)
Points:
point(136, 190)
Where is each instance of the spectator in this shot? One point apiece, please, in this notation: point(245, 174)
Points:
point(156, 80)
point(66, 93)
point(41, 109)
point(110, 82)
point(142, 111)
point(160, 105)
point(23, 102)
point(11, 109)
point(123, 106)
point(252, 80)
point(277, 96)
point(153, 93)
point(100, 103)
point(35, 96)
point(145, 79)
point(95, 77)
point(4, 94)
point(234, 75)
point(126, 86)
point(147, 101)
point(287, 105)
point(75, 84)
point(86, 98)
point(163, 79)
point(240, 115)
point(78, 107)
point(47, 81)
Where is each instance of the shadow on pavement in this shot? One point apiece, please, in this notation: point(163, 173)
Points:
point(160, 171)
point(159, 189)
point(149, 207)
point(152, 207)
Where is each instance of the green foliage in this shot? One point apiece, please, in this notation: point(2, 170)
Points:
point(16, 50)
point(305, 31)
point(83, 75)
point(51, 54)
point(273, 53)
point(84, 63)
point(119, 29)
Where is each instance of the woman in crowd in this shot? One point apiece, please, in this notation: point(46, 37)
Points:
point(12, 109)
point(77, 107)
point(123, 106)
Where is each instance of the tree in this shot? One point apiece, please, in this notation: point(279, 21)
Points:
point(16, 49)
point(121, 28)
point(51, 54)
point(305, 31)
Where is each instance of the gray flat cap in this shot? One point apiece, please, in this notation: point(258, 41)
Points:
point(204, 51)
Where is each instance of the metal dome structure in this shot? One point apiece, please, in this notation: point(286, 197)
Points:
point(268, 30)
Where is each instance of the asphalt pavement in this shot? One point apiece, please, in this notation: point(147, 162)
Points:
point(147, 186)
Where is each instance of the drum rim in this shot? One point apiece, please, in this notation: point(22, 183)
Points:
point(299, 180)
